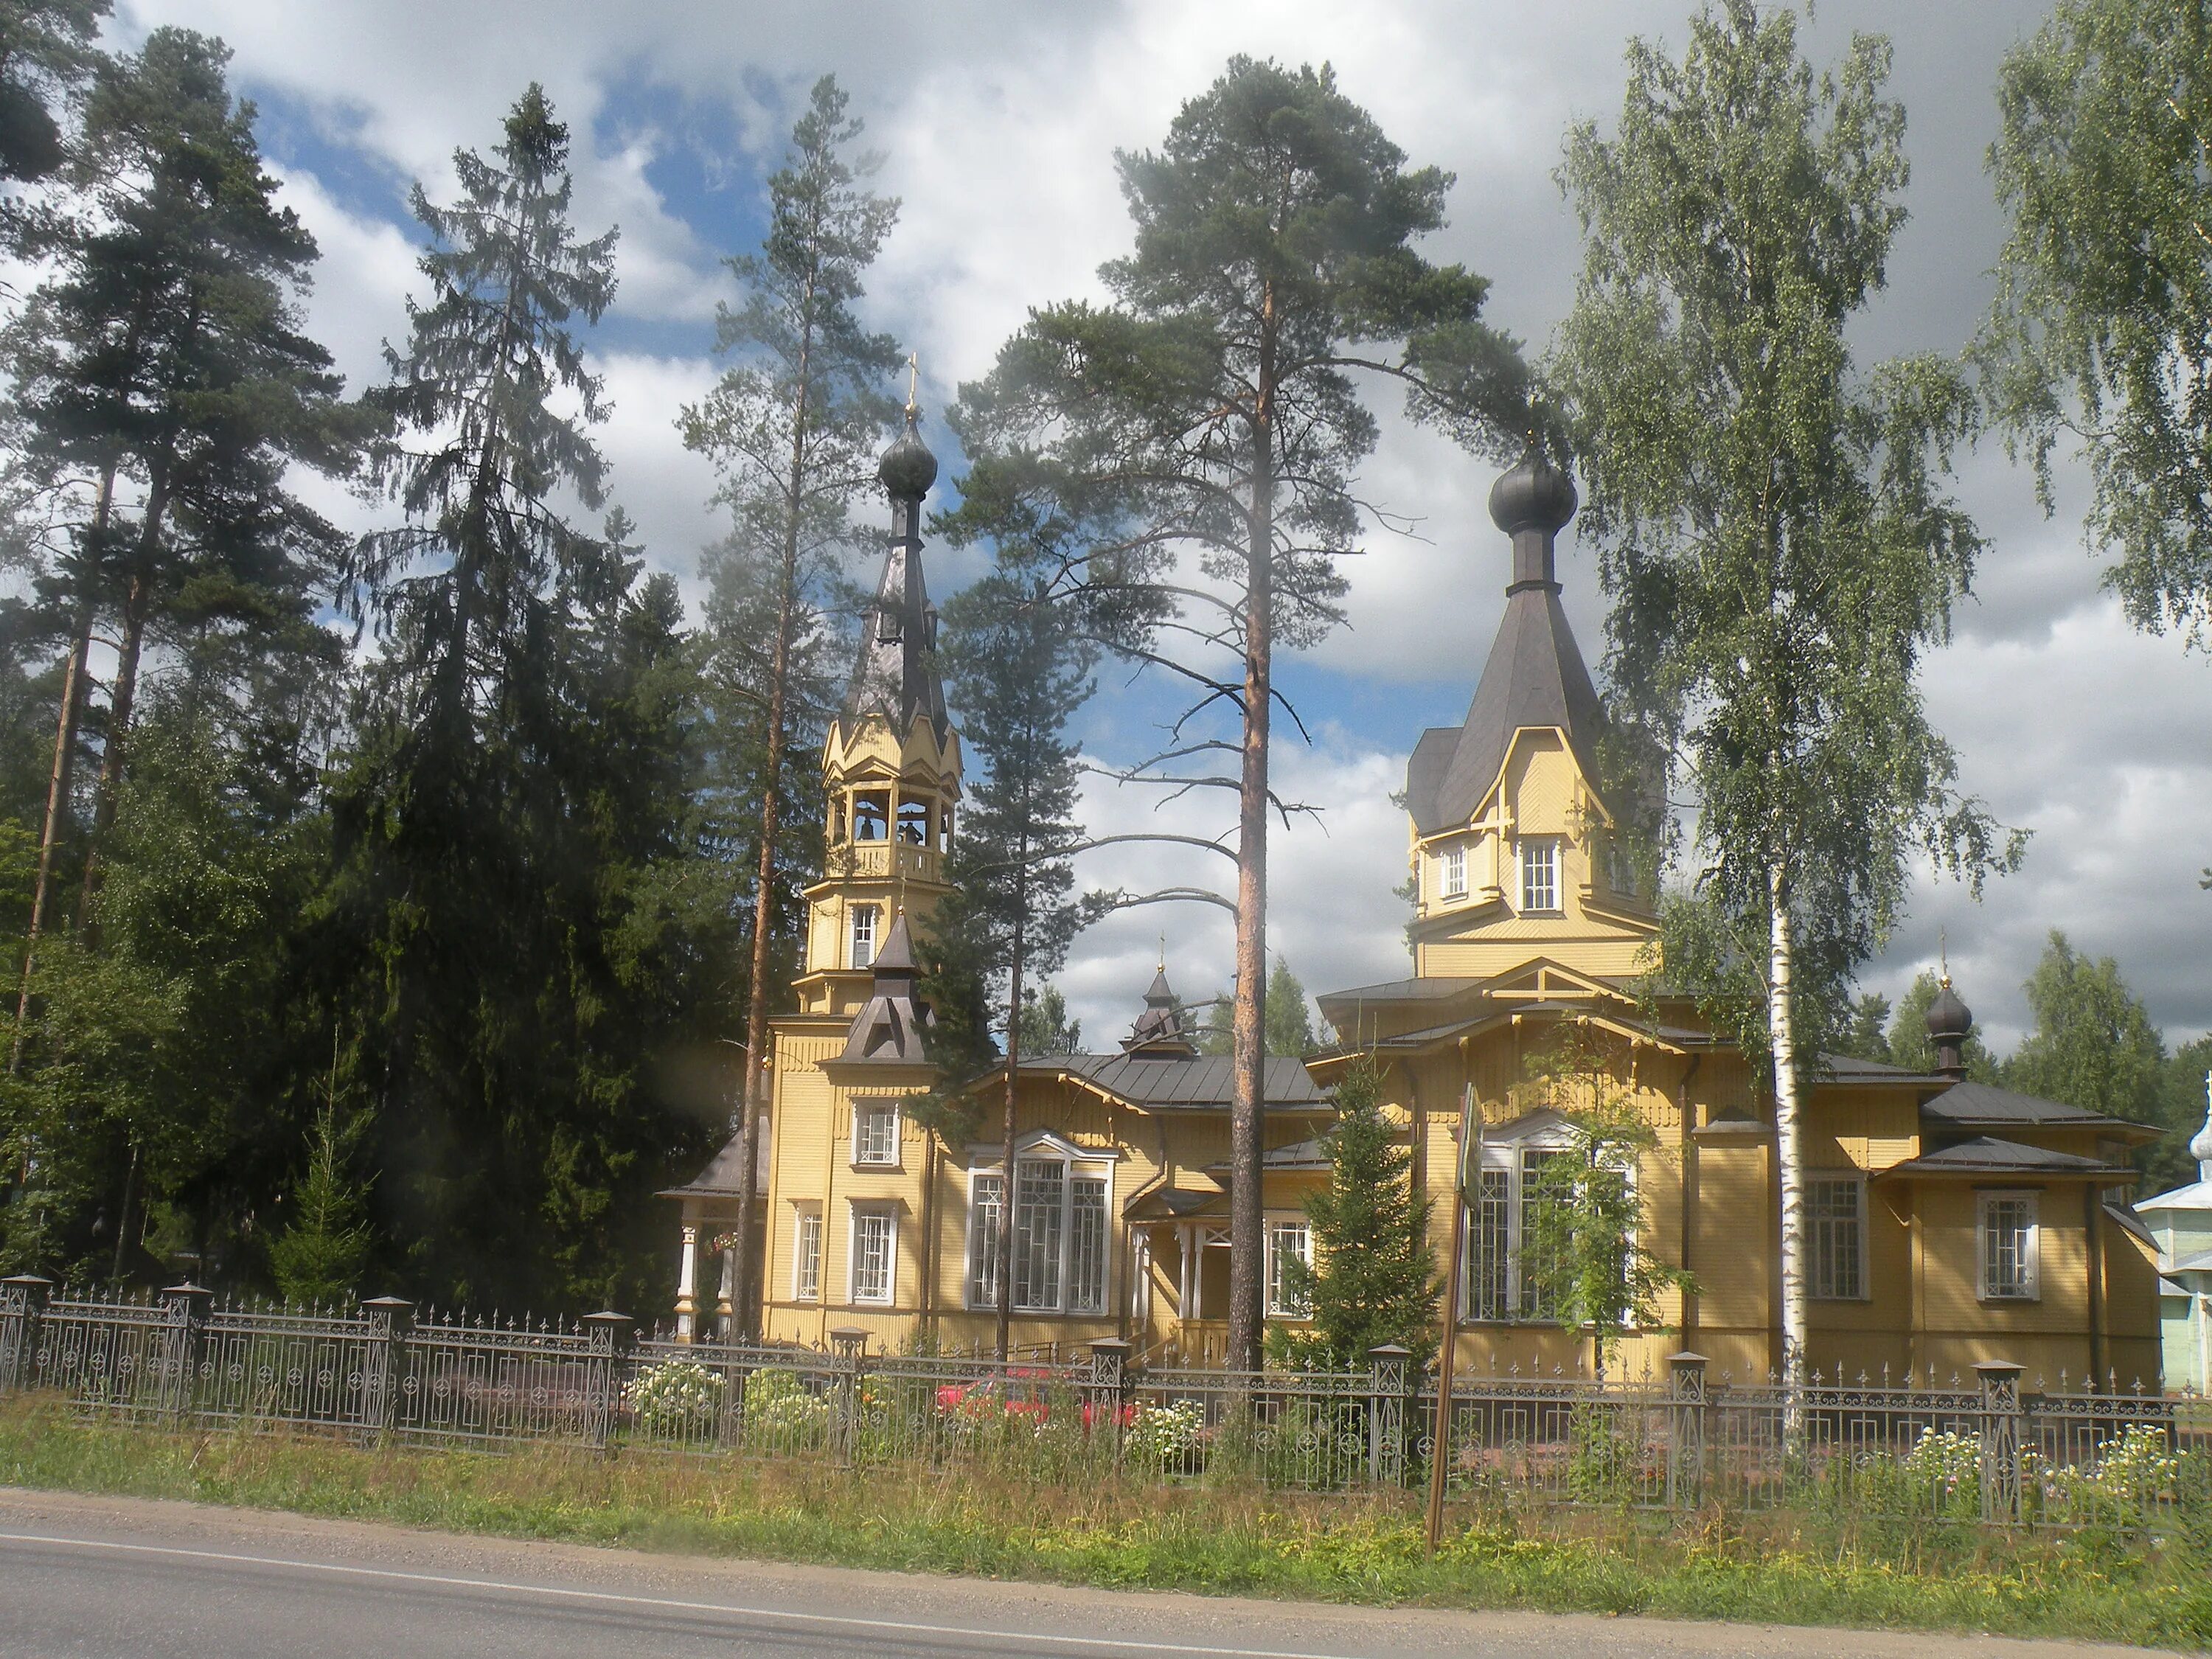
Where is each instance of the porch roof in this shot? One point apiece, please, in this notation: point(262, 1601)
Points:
point(1985, 1155)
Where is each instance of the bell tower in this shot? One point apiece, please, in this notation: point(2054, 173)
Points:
point(891, 766)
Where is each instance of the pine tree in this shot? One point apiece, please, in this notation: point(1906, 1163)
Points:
point(1779, 565)
point(47, 53)
point(165, 389)
point(793, 428)
point(1018, 674)
point(1373, 1277)
point(1208, 419)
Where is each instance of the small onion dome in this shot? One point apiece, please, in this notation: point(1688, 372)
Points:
point(908, 469)
point(1533, 495)
point(1948, 1019)
point(2201, 1148)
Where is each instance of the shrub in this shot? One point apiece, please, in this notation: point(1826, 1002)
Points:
point(679, 1398)
point(1165, 1438)
point(783, 1414)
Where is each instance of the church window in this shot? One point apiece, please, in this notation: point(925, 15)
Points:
point(2008, 1240)
point(871, 816)
point(1540, 872)
point(864, 935)
point(875, 1132)
point(1287, 1240)
point(1453, 866)
point(1505, 1275)
point(986, 1204)
point(1062, 1238)
point(1835, 1227)
point(875, 1250)
point(806, 1256)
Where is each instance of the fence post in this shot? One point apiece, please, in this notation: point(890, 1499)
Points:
point(1389, 1366)
point(1109, 1386)
point(2000, 1459)
point(22, 1305)
point(388, 1320)
point(1686, 1430)
point(611, 1334)
point(187, 1305)
point(851, 1343)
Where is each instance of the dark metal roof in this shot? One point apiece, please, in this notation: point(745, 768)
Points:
point(1311, 1153)
point(897, 673)
point(719, 1177)
point(888, 1030)
point(1971, 1105)
point(1987, 1155)
point(1198, 1081)
point(1850, 1068)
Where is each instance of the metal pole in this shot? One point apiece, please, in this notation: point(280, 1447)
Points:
point(1440, 1439)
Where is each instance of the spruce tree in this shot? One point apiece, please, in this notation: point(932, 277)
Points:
point(1046, 1027)
point(1373, 1277)
point(1779, 565)
point(1019, 673)
point(793, 428)
point(1208, 420)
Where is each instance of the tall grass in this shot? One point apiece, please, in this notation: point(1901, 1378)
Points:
point(1220, 1536)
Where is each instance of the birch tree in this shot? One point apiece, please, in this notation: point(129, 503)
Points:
point(1771, 524)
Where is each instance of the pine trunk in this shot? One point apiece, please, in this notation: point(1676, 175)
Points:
point(1789, 1137)
point(120, 707)
point(58, 794)
point(1247, 1133)
point(1006, 1136)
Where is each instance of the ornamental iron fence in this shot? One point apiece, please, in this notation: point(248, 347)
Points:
point(1996, 1447)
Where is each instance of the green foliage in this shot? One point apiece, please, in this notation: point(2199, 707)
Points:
point(2093, 1044)
point(1866, 1036)
point(1286, 1023)
point(319, 1257)
point(47, 52)
point(2101, 334)
point(1046, 1027)
point(678, 1399)
point(1373, 1279)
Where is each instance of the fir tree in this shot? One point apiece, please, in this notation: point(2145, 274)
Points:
point(319, 1257)
point(1373, 1277)
point(1208, 419)
point(1019, 675)
point(1779, 565)
point(1866, 1036)
point(1046, 1027)
point(793, 428)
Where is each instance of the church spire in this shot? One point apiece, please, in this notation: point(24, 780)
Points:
point(1535, 676)
point(896, 675)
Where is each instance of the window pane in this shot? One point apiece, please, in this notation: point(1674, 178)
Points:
point(875, 1134)
point(1835, 1237)
point(807, 1258)
point(864, 935)
point(1040, 1194)
point(1488, 1265)
point(1286, 1239)
point(984, 1217)
point(2007, 1246)
point(1086, 1246)
point(871, 1257)
point(1540, 875)
point(1539, 1272)
point(1455, 871)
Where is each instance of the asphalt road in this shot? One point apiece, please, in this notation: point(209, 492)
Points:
point(103, 1578)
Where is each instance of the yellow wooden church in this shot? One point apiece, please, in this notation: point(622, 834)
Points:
point(1947, 1221)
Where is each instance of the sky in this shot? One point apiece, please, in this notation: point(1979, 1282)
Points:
point(999, 120)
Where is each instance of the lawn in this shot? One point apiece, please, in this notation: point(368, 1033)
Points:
point(1219, 1539)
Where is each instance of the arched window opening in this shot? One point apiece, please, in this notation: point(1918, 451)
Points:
point(871, 814)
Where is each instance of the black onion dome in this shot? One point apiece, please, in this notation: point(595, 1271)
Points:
point(1533, 495)
point(908, 468)
point(1947, 1017)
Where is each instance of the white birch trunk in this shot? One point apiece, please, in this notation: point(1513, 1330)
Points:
point(1789, 1139)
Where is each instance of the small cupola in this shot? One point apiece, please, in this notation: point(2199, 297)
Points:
point(1160, 1029)
point(1532, 503)
point(1950, 1022)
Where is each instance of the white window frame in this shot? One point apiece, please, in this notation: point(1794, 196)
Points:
point(1822, 1284)
point(1079, 1167)
point(1545, 850)
point(1278, 1230)
point(861, 942)
point(2029, 1286)
point(806, 1253)
point(1451, 872)
point(1500, 1205)
point(870, 1107)
point(860, 1213)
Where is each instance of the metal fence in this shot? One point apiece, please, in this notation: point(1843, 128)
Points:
point(1994, 1449)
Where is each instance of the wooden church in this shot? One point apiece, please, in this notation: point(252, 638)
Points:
point(1947, 1221)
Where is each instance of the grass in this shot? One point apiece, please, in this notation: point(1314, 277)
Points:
point(1210, 1540)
